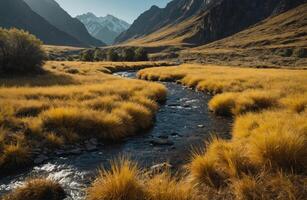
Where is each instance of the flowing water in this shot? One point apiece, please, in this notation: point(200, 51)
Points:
point(184, 121)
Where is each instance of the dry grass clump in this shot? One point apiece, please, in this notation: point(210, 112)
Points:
point(265, 186)
point(227, 104)
point(37, 189)
point(122, 182)
point(269, 132)
point(126, 181)
point(90, 68)
point(243, 89)
point(89, 104)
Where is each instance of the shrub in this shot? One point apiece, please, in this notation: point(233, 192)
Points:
point(141, 54)
point(112, 55)
point(285, 52)
point(38, 189)
point(20, 51)
point(122, 182)
point(300, 52)
point(128, 54)
point(87, 55)
point(99, 55)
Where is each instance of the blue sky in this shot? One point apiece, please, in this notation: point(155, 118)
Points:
point(127, 10)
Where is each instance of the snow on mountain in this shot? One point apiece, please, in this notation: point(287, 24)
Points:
point(105, 28)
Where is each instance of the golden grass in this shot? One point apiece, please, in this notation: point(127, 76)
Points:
point(126, 181)
point(269, 133)
point(36, 112)
point(37, 189)
point(122, 182)
point(243, 90)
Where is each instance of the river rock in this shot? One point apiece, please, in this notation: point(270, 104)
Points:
point(161, 141)
point(40, 159)
point(160, 168)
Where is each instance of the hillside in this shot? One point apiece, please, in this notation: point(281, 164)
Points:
point(276, 41)
point(55, 15)
point(105, 28)
point(16, 13)
point(187, 22)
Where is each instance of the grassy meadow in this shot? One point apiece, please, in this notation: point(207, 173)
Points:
point(70, 102)
point(265, 159)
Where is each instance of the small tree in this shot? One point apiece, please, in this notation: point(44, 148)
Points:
point(20, 51)
point(99, 55)
point(128, 54)
point(112, 55)
point(141, 54)
point(87, 55)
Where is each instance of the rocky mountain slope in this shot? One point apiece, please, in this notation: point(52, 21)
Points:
point(16, 13)
point(197, 22)
point(55, 15)
point(279, 40)
point(105, 28)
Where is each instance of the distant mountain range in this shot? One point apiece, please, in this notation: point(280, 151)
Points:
point(198, 22)
point(16, 13)
point(105, 28)
point(51, 11)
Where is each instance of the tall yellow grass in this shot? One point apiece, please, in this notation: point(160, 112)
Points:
point(269, 133)
point(37, 189)
point(72, 108)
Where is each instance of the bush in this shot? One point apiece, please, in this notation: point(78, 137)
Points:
point(300, 53)
point(285, 52)
point(20, 51)
point(38, 189)
point(99, 55)
point(141, 54)
point(128, 54)
point(87, 55)
point(112, 55)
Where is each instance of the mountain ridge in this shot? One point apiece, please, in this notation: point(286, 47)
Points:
point(204, 21)
point(17, 14)
point(51, 11)
point(105, 28)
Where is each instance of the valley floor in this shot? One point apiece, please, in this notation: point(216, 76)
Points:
point(266, 157)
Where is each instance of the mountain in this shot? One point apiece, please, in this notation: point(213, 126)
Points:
point(105, 28)
point(16, 13)
point(197, 22)
point(279, 40)
point(55, 15)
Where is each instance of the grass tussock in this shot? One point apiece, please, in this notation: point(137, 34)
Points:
point(122, 182)
point(266, 157)
point(243, 89)
point(126, 181)
point(35, 112)
point(37, 189)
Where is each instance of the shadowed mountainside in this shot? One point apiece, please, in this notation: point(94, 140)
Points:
point(200, 22)
point(16, 13)
point(55, 15)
